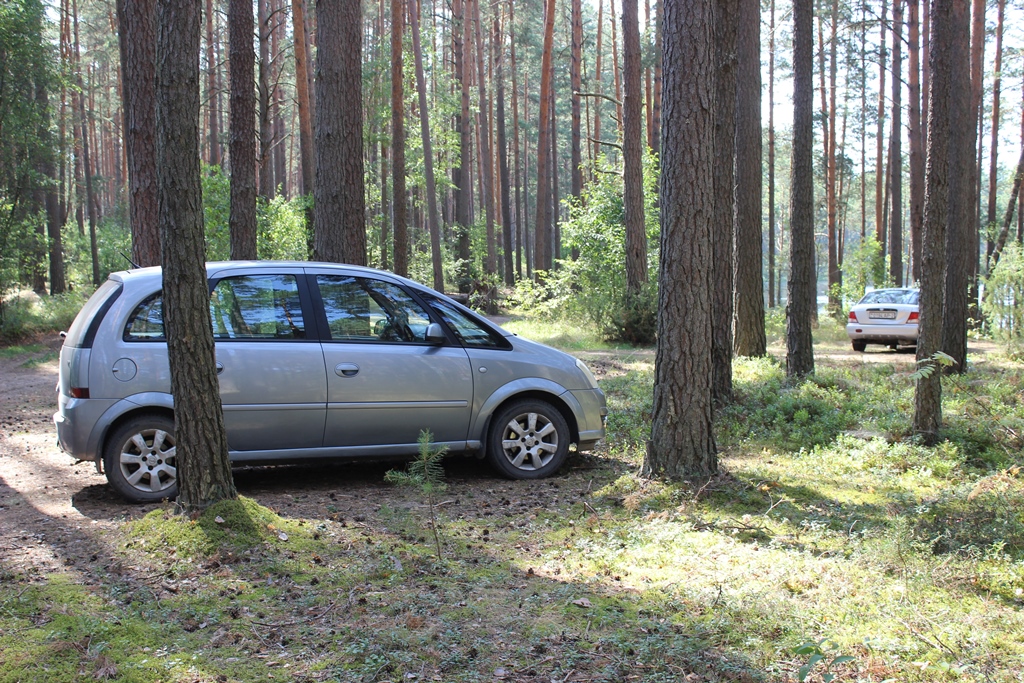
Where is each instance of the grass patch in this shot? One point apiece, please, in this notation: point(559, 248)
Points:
point(828, 531)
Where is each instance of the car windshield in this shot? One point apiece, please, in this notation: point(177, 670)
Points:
point(891, 296)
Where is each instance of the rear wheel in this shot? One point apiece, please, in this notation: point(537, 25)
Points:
point(140, 459)
point(859, 345)
point(528, 439)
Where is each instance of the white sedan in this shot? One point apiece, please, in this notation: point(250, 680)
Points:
point(889, 317)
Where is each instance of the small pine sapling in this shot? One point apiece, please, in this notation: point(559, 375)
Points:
point(426, 474)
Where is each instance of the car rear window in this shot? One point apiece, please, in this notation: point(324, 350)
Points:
point(891, 296)
point(83, 330)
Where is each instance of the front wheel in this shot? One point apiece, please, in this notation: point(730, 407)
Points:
point(859, 345)
point(140, 459)
point(528, 439)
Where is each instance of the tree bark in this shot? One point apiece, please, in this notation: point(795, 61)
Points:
point(461, 171)
point(90, 198)
point(682, 441)
point(576, 84)
point(339, 196)
point(896, 150)
point(428, 152)
point(632, 153)
point(749, 281)
point(802, 298)
point(266, 130)
point(137, 36)
point(204, 470)
point(771, 158)
point(880, 176)
point(213, 129)
point(486, 157)
point(398, 202)
point(916, 135)
point(542, 257)
point(507, 221)
point(242, 137)
point(723, 224)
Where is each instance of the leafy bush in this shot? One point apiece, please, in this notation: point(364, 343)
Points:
point(593, 286)
point(1004, 296)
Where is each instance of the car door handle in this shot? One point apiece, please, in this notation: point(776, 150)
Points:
point(346, 369)
point(220, 367)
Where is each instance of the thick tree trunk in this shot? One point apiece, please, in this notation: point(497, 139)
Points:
point(242, 138)
point(749, 282)
point(339, 208)
point(682, 444)
point(398, 201)
point(723, 226)
point(204, 470)
point(138, 63)
point(632, 153)
point(802, 298)
point(428, 152)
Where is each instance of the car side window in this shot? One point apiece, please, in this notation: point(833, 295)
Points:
point(146, 323)
point(366, 310)
point(469, 331)
point(257, 307)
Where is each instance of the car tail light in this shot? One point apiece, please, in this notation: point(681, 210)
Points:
point(79, 392)
point(914, 317)
point(853, 317)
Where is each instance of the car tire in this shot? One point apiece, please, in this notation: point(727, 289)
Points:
point(859, 346)
point(528, 439)
point(139, 459)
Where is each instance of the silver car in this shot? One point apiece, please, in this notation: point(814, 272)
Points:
point(889, 317)
point(318, 360)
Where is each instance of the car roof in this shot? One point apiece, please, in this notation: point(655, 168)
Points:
point(155, 272)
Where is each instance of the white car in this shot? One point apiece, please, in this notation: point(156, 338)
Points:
point(889, 317)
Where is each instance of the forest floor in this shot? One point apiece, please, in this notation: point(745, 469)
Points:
point(593, 575)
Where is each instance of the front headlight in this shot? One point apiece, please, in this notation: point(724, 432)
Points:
point(587, 373)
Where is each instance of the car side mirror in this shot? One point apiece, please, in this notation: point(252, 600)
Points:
point(435, 334)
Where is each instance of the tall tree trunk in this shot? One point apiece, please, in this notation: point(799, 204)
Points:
point(682, 441)
point(771, 158)
point(277, 101)
point(242, 138)
point(137, 36)
point(461, 171)
point(338, 189)
point(204, 470)
point(307, 159)
point(880, 176)
point(616, 71)
point(656, 117)
point(896, 150)
point(521, 212)
point(213, 129)
point(507, 222)
point(916, 135)
point(632, 155)
point(802, 299)
point(576, 85)
point(398, 201)
point(834, 273)
point(598, 80)
point(993, 168)
point(428, 153)
point(542, 257)
point(749, 281)
point(266, 134)
point(486, 157)
point(962, 226)
point(90, 199)
point(723, 226)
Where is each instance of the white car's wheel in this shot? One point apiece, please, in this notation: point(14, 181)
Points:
point(529, 439)
point(140, 459)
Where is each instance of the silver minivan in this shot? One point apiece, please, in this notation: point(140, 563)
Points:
point(315, 361)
